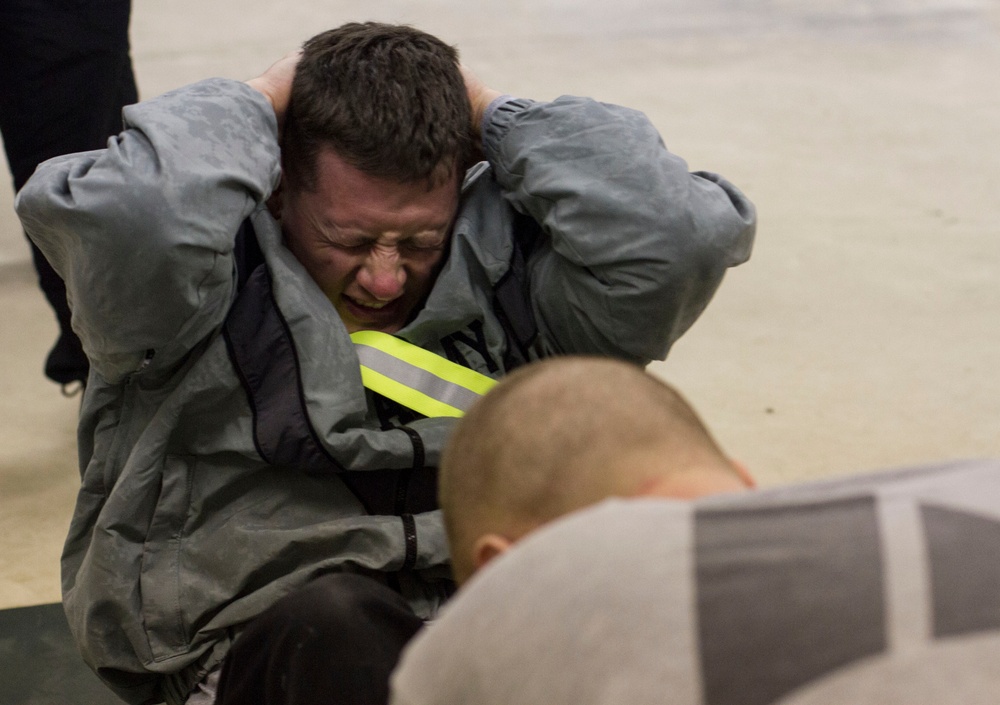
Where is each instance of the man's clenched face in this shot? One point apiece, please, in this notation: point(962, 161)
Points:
point(373, 245)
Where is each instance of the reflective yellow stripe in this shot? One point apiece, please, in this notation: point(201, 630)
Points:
point(416, 378)
point(407, 396)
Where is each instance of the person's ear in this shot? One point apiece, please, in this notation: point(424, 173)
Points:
point(488, 547)
point(276, 200)
point(744, 473)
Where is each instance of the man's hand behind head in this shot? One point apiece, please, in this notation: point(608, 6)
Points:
point(276, 83)
point(480, 97)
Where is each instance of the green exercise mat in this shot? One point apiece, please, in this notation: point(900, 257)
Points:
point(39, 663)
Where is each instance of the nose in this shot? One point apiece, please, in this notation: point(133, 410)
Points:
point(383, 274)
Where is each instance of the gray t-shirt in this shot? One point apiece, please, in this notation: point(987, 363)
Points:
point(878, 589)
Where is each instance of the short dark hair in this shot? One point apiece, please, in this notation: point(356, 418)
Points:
point(389, 99)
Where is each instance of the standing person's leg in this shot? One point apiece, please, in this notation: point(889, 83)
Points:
point(65, 74)
point(335, 641)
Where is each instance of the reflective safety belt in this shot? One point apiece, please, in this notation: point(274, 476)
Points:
point(416, 378)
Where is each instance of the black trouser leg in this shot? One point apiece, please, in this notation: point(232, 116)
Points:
point(65, 74)
point(335, 641)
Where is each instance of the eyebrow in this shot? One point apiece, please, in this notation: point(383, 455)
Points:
point(350, 237)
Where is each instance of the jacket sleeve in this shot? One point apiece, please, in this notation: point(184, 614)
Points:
point(143, 231)
point(635, 245)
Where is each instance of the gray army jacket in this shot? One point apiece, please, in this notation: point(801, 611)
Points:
point(192, 517)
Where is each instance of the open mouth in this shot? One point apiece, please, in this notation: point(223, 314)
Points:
point(368, 306)
point(373, 312)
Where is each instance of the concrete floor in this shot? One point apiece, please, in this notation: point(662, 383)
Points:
point(863, 333)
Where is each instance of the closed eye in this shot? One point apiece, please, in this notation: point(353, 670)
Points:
point(354, 248)
point(348, 243)
point(419, 247)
